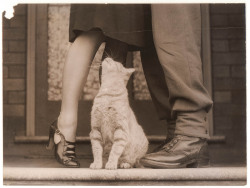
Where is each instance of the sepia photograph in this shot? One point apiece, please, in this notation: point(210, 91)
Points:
point(99, 94)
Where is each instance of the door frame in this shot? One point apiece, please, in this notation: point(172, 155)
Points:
point(37, 31)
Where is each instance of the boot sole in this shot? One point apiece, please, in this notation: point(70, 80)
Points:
point(190, 164)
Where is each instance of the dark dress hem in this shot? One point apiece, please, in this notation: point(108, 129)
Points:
point(129, 23)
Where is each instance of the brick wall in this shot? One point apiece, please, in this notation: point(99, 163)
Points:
point(228, 61)
point(14, 73)
point(229, 76)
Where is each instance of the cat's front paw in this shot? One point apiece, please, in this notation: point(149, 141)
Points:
point(111, 166)
point(125, 165)
point(95, 165)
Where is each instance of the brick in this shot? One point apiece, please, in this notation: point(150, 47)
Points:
point(20, 9)
point(16, 97)
point(238, 8)
point(6, 22)
point(236, 33)
point(238, 109)
point(221, 71)
point(222, 96)
point(14, 34)
point(17, 71)
point(219, 33)
point(17, 46)
point(5, 72)
point(237, 45)
point(13, 85)
point(229, 58)
point(13, 110)
point(239, 122)
point(219, 20)
point(223, 122)
point(228, 33)
point(14, 58)
point(238, 71)
point(224, 109)
point(220, 45)
point(218, 8)
point(14, 124)
point(5, 46)
point(229, 83)
point(5, 97)
point(236, 20)
point(18, 21)
point(239, 96)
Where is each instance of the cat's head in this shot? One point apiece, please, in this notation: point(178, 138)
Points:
point(116, 70)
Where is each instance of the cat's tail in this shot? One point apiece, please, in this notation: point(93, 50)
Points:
point(142, 152)
point(138, 164)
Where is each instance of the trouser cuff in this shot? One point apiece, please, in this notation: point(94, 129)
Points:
point(192, 124)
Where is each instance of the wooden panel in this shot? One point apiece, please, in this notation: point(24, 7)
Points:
point(31, 50)
point(86, 139)
point(47, 111)
point(206, 58)
point(41, 66)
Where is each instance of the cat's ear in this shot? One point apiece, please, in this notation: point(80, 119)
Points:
point(129, 71)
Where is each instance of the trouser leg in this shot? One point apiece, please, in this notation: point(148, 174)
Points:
point(177, 38)
point(157, 87)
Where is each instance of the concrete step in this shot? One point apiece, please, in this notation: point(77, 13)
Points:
point(41, 171)
point(188, 176)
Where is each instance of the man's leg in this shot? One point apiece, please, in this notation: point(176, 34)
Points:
point(158, 88)
point(177, 37)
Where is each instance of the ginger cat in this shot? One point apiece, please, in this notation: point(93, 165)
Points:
point(117, 140)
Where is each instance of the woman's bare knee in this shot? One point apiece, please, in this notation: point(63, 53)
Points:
point(94, 36)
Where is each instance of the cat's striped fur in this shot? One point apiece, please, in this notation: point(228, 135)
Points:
point(118, 141)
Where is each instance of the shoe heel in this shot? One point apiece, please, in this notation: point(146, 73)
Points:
point(202, 160)
point(199, 164)
point(51, 143)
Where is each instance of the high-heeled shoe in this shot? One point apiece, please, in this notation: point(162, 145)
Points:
point(64, 150)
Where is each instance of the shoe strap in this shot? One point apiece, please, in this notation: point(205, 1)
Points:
point(71, 143)
point(71, 155)
point(70, 151)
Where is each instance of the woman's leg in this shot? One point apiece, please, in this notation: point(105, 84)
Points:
point(76, 69)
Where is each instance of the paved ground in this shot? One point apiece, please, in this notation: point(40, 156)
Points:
point(50, 162)
point(41, 162)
